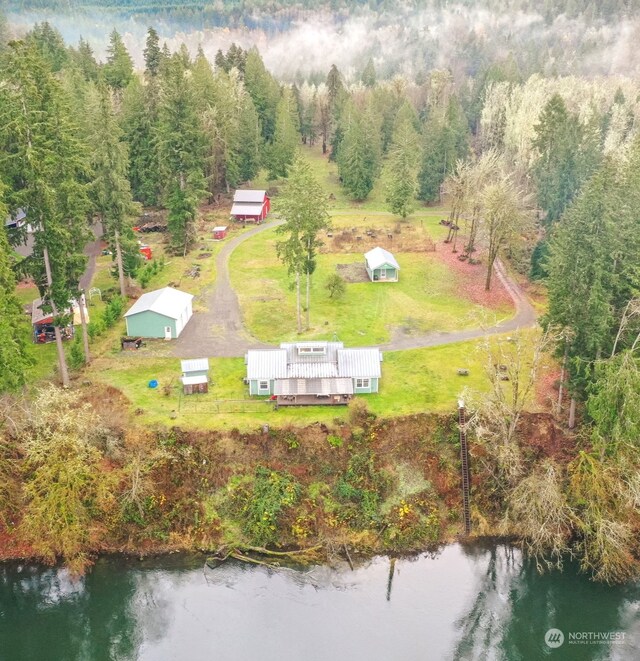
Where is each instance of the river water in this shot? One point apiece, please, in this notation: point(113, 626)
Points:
point(465, 602)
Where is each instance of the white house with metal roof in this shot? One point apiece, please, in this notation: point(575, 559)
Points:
point(381, 265)
point(308, 373)
point(161, 313)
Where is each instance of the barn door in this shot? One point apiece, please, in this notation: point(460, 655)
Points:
point(167, 332)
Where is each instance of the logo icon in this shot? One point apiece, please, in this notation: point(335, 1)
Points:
point(554, 638)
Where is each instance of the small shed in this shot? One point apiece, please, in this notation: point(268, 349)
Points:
point(220, 232)
point(195, 376)
point(162, 313)
point(250, 205)
point(145, 251)
point(381, 265)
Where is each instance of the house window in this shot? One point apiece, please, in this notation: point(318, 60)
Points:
point(362, 383)
point(263, 385)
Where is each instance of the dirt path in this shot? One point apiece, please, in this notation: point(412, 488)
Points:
point(525, 317)
point(220, 332)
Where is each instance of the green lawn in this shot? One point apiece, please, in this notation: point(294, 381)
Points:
point(425, 299)
point(412, 382)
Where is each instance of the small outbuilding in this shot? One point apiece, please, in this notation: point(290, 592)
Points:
point(162, 313)
point(195, 376)
point(220, 232)
point(250, 205)
point(381, 265)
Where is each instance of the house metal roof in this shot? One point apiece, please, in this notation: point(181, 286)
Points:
point(359, 362)
point(266, 364)
point(378, 257)
point(168, 302)
point(337, 363)
point(246, 195)
point(246, 209)
point(313, 387)
point(195, 365)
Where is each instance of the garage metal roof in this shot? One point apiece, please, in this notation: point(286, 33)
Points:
point(168, 302)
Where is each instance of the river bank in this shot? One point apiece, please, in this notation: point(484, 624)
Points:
point(364, 484)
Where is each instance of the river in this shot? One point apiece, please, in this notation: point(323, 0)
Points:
point(465, 602)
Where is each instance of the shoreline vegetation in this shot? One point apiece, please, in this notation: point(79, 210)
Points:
point(361, 487)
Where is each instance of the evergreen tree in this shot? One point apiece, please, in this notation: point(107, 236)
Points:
point(111, 191)
point(245, 157)
point(592, 269)
point(46, 169)
point(369, 74)
point(118, 70)
point(303, 206)
point(86, 61)
point(445, 140)
point(14, 356)
point(49, 44)
point(264, 91)
point(281, 152)
point(152, 54)
point(559, 170)
point(359, 156)
point(139, 120)
point(181, 144)
point(403, 161)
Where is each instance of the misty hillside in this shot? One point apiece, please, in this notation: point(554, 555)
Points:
point(572, 37)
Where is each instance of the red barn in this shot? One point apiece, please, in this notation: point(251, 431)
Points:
point(250, 205)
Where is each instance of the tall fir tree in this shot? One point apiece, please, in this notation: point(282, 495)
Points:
point(118, 70)
point(111, 192)
point(264, 91)
point(359, 155)
point(401, 168)
point(281, 152)
point(181, 143)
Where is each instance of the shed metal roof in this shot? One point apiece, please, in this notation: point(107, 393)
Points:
point(195, 365)
point(247, 195)
point(378, 257)
point(194, 380)
point(246, 209)
point(266, 364)
point(168, 302)
point(356, 363)
point(313, 387)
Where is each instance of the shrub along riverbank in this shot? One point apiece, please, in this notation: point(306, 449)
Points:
point(75, 482)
